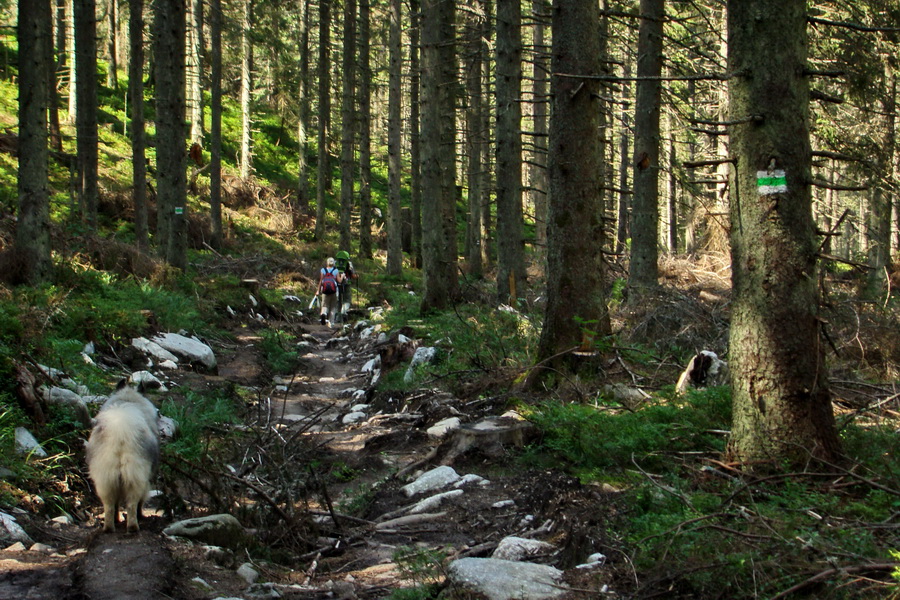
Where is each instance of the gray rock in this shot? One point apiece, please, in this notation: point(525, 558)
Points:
point(188, 347)
point(202, 584)
point(10, 531)
point(147, 379)
point(17, 547)
point(218, 530)
point(440, 429)
point(262, 591)
point(433, 502)
point(423, 355)
point(221, 556)
point(434, 479)
point(353, 417)
point(248, 573)
point(66, 397)
point(26, 443)
point(517, 548)
point(168, 427)
point(153, 349)
point(497, 579)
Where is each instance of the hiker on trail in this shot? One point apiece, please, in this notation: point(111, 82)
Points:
point(329, 280)
point(345, 291)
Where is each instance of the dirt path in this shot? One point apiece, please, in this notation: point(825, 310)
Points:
point(356, 557)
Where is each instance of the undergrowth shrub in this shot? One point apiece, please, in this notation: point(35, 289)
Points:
point(198, 415)
point(280, 351)
point(593, 440)
point(475, 340)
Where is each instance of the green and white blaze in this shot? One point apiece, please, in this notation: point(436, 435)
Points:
point(771, 182)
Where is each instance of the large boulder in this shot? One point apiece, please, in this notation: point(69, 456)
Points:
point(219, 530)
point(497, 579)
point(189, 347)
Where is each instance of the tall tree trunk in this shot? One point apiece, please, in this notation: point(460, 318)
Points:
point(575, 230)
point(61, 30)
point(171, 156)
point(488, 247)
point(112, 26)
point(302, 207)
point(195, 70)
point(348, 122)
point(474, 74)
point(537, 179)
point(365, 131)
point(70, 52)
point(215, 125)
point(136, 105)
point(86, 117)
point(879, 230)
point(690, 238)
point(395, 98)
point(623, 225)
point(672, 194)
point(246, 89)
point(782, 404)
point(644, 272)
point(52, 94)
point(323, 168)
point(510, 244)
point(33, 220)
point(439, 251)
point(415, 138)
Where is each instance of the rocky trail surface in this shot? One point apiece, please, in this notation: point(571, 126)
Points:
point(430, 496)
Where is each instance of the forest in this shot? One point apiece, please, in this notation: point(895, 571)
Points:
point(629, 266)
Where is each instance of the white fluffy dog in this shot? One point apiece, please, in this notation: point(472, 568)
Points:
point(123, 455)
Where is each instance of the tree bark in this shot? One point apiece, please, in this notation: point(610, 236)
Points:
point(136, 104)
point(644, 272)
point(510, 241)
point(395, 99)
point(439, 250)
point(52, 94)
point(348, 122)
point(303, 195)
point(537, 179)
point(879, 230)
point(246, 89)
point(365, 131)
point(112, 24)
point(623, 222)
point(70, 52)
point(86, 117)
point(215, 125)
point(323, 170)
point(782, 405)
point(169, 29)
point(474, 74)
point(576, 311)
point(415, 138)
point(195, 70)
point(33, 220)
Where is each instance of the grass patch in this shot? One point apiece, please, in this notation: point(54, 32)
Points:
point(280, 350)
point(592, 440)
point(199, 417)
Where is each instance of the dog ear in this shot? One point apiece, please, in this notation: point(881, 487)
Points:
point(141, 387)
point(122, 383)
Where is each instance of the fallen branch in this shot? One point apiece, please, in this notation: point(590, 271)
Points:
point(388, 526)
point(835, 571)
